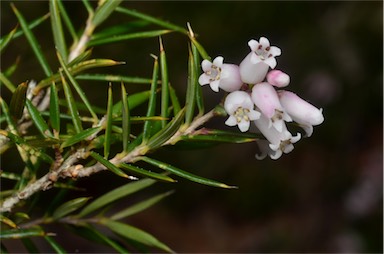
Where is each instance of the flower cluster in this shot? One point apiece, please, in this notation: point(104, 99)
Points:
point(254, 97)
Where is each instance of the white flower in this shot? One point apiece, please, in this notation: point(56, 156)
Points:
point(217, 74)
point(255, 65)
point(278, 78)
point(302, 112)
point(279, 141)
point(265, 98)
point(239, 107)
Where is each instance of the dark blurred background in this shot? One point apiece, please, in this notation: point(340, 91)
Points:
point(326, 195)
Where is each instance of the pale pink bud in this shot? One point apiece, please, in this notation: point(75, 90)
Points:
point(278, 78)
point(302, 112)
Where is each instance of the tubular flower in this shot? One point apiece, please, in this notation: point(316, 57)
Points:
point(302, 112)
point(266, 99)
point(239, 107)
point(220, 75)
point(278, 78)
point(279, 141)
point(255, 65)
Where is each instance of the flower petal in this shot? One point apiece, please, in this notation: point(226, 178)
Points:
point(215, 85)
point(271, 61)
point(218, 61)
point(231, 121)
point(204, 79)
point(253, 44)
point(275, 51)
point(206, 65)
point(244, 125)
point(264, 42)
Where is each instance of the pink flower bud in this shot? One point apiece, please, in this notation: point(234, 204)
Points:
point(278, 78)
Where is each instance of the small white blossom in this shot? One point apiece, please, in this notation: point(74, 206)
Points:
point(239, 107)
point(266, 99)
point(278, 78)
point(255, 65)
point(279, 141)
point(220, 75)
point(302, 112)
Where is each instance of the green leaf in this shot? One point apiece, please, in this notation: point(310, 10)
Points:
point(96, 236)
point(133, 233)
point(190, 97)
point(136, 208)
point(104, 10)
point(114, 78)
point(174, 100)
point(82, 57)
point(38, 120)
point(88, 6)
point(67, 21)
point(134, 100)
point(185, 174)
point(54, 111)
point(11, 69)
point(32, 41)
point(109, 165)
point(75, 69)
point(57, 29)
point(71, 105)
point(120, 28)
point(149, 125)
point(69, 207)
point(21, 233)
point(167, 132)
point(164, 84)
point(126, 125)
point(130, 36)
point(8, 84)
point(16, 107)
point(5, 41)
point(8, 117)
point(55, 245)
point(146, 173)
point(151, 19)
point(77, 87)
point(116, 194)
point(108, 128)
point(219, 136)
point(81, 136)
point(7, 221)
point(199, 91)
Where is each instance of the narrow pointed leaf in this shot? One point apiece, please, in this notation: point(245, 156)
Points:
point(33, 42)
point(8, 84)
point(133, 233)
point(72, 106)
point(16, 106)
point(104, 10)
point(164, 84)
point(116, 194)
point(88, 6)
point(190, 97)
point(174, 100)
point(77, 87)
point(134, 100)
point(136, 208)
point(8, 117)
point(146, 173)
point(126, 124)
point(200, 49)
point(38, 120)
point(57, 29)
point(199, 92)
point(167, 132)
point(69, 207)
point(11, 69)
point(67, 21)
point(114, 78)
point(108, 128)
point(151, 19)
point(54, 111)
point(21, 233)
point(84, 56)
point(218, 136)
point(148, 125)
point(81, 136)
point(55, 245)
point(121, 28)
point(130, 36)
point(75, 69)
point(109, 165)
point(5, 41)
point(185, 174)
point(7, 221)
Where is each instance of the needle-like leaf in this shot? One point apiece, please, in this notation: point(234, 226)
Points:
point(57, 29)
point(38, 120)
point(126, 124)
point(71, 105)
point(54, 111)
point(108, 128)
point(164, 84)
